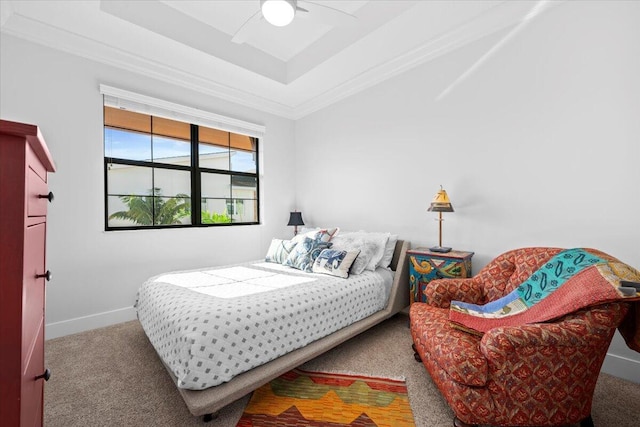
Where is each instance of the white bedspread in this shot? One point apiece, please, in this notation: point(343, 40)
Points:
point(212, 324)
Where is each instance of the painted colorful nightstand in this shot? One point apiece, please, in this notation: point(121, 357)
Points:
point(425, 266)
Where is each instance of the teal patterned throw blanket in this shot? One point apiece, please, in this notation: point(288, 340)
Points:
point(571, 280)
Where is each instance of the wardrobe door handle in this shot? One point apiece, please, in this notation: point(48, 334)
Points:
point(46, 275)
point(45, 375)
point(49, 196)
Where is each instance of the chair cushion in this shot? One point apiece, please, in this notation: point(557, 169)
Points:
point(454, 351)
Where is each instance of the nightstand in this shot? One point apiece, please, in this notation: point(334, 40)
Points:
point(425, 266)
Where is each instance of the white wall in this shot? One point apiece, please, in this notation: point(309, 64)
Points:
point(539, 147)
point(95, 273)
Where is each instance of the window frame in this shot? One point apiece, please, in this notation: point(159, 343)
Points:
point(195, 171)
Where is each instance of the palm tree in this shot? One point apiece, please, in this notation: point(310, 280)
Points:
point(215, 218)
point(155, 209)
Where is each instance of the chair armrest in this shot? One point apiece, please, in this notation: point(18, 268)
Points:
point(589, 327)
point(441, 292)
point(501, 345)
point(582, 337)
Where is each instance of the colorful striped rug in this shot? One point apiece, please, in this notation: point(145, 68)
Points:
point(304, 398)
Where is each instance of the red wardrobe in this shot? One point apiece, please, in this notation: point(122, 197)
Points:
point(25, 162)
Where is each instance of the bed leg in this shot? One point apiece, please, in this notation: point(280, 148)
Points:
point(207, 418)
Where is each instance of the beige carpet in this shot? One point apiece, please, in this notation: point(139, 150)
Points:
point(113, 377)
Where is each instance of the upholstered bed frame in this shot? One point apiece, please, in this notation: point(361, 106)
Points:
point(209, 401)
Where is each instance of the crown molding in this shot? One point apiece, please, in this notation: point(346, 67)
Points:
point(47, 35)
point(500, 17)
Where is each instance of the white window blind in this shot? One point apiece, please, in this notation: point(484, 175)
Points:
point(131, 101)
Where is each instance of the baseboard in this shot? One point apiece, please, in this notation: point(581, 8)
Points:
point(622, 367)
point(85, 323)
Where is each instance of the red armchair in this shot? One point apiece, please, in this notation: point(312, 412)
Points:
point(537, 374)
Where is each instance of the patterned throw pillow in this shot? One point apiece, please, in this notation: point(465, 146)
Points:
point(279, 250)
point(321, 234)
point(305, 253)
point(309, 231)
point(335, 262)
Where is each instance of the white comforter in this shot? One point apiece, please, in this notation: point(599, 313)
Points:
point(213, 324)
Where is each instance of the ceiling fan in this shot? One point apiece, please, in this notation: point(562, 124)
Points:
point(281, 12)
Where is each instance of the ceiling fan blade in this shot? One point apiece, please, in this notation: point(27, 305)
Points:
point(247, 29)
point(326, 14)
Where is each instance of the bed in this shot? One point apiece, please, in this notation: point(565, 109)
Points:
point(218, 355)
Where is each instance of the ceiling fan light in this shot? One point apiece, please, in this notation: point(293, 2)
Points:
point(278, 12)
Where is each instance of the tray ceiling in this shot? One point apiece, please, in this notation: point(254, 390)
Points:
point(288, 71)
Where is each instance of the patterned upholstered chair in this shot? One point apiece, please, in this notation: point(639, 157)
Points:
point(536, 374)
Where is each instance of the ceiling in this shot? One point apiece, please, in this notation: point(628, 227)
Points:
point(288, 71)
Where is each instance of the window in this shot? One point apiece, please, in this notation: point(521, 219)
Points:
point(162, 173)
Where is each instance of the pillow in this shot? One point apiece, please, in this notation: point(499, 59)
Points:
point(335, 262)
point(389, 249)
point(380, 241)
point(313, 235)
point(331, 231)
point(354, 242)
point(328, 233)
point(375, 243)
point(305, 253)
point(279, 250)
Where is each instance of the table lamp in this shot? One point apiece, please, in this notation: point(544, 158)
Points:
point(295, 219)
point(440, 203)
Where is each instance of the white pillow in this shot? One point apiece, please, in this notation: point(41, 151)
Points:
point(389, 250)
point(378, 241)
point(354, 242)
point(335, 262)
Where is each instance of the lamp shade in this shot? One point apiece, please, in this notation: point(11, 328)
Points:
point(295, 218)
point(278, 12)
point(441, 202)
